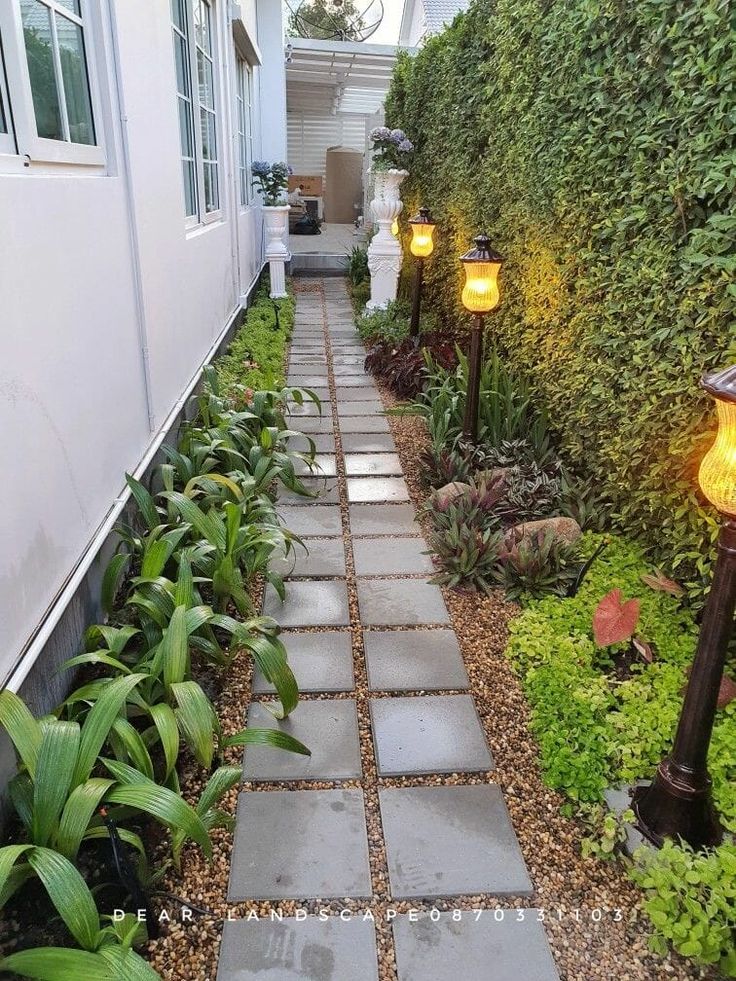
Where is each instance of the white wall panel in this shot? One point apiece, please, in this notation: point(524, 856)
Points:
point(309, 137)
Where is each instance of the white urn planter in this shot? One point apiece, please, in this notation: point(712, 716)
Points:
point(276, 223)
point(384, 252)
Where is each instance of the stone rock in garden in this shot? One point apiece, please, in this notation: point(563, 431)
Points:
point(493, 475)
point(444, 496)
point(562, 529)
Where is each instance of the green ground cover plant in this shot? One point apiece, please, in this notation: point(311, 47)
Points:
point(597, 729)
point(595, 142)
point(256, 357)
point(178, 594)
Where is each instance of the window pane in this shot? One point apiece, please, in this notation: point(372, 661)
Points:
point(206, 81)
point(72, 5)
point(185, 129)
point(3, 121)
point(178, 15)
point(37, 35)
point(76, 83)
point(190, 188)
point(181, 56)
point(209, 139)
point(202, 25)
point(211, 198)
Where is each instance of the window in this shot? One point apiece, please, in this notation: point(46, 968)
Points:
point(49, 108)
point(194, 55)
point(53, 34)
point(245, 130)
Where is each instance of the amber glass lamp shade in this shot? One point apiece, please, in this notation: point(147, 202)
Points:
point(718, 469)
point(422, 234)
point(395, 228)
point(482, 265)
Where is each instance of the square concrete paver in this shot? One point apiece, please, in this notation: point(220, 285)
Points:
point(323, 519)
point(300, 844)
point(314, 424)
point(391, 557)
point(368, 443)
point(428, 734)
point(323, 443)
point(308, 950)
point(354, 381)
point(327, 727)
point(307, 410)
point(323, 465)
point(320, 662)
point(400, 602)
point(364, 424)
point(322, 490)
point(323, 557)
point(414, 660)
point(372, 464)
point(360, 393)
point(472, 948)
point(309, 603)
point(451, 841)
point(369, 407)
point(383, 519)
point(364, 490)
point(307, 381)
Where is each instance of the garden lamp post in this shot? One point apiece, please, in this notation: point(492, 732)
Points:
point(678, 803)
point(480, 296)
point(422, 246)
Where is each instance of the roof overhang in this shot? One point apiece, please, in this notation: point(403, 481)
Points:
point(330, 77)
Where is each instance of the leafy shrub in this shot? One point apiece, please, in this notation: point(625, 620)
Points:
point(468, 554)
point(691, 900)
point(255, 359)
point(402, 365)
point(595, 732)
point(507, 410)
point(358, 265)
point(539, 565)
point(618, 289)
point(389, 324)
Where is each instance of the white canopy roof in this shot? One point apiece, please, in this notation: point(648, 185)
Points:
point(337, 76)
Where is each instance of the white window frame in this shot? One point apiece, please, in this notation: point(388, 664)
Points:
point(7, 140)
point(202, 216)
point(244, 128)
point(29, 143)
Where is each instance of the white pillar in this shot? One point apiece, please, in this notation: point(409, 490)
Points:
point(384, 252)
point(276, 221)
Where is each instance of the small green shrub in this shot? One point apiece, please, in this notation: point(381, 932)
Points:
point(256, 357)
point(691, 901)
point(539, 565)
point(358, 265)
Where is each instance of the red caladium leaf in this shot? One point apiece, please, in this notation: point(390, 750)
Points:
point(727, 691)
point(644, 649)
point(614, 620)
point(659, 582)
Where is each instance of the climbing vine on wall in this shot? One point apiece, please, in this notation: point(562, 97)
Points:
point(596, 140)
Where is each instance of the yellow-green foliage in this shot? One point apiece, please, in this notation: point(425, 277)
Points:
point(595, 140)
point(256, 357)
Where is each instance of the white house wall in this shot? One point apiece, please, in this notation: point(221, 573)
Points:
point(73, 403)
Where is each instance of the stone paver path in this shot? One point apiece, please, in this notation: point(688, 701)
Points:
point(359, 606)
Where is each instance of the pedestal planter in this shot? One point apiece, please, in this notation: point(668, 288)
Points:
point(275, 220)
point(384, 252)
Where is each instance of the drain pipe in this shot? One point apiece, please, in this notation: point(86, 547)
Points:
point(132, 221)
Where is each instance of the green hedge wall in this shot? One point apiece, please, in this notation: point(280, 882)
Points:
point(596, 141)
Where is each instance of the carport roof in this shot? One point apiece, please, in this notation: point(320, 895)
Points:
point(338, 76)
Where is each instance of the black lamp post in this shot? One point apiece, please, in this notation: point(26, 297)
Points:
point(422, 246)
point(679, 803)
point(480, 296)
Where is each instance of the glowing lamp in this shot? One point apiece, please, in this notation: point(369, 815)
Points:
point(422, 233)
point(395, 228)
point(718, 469)
point(482, 265)
point(679, 802)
